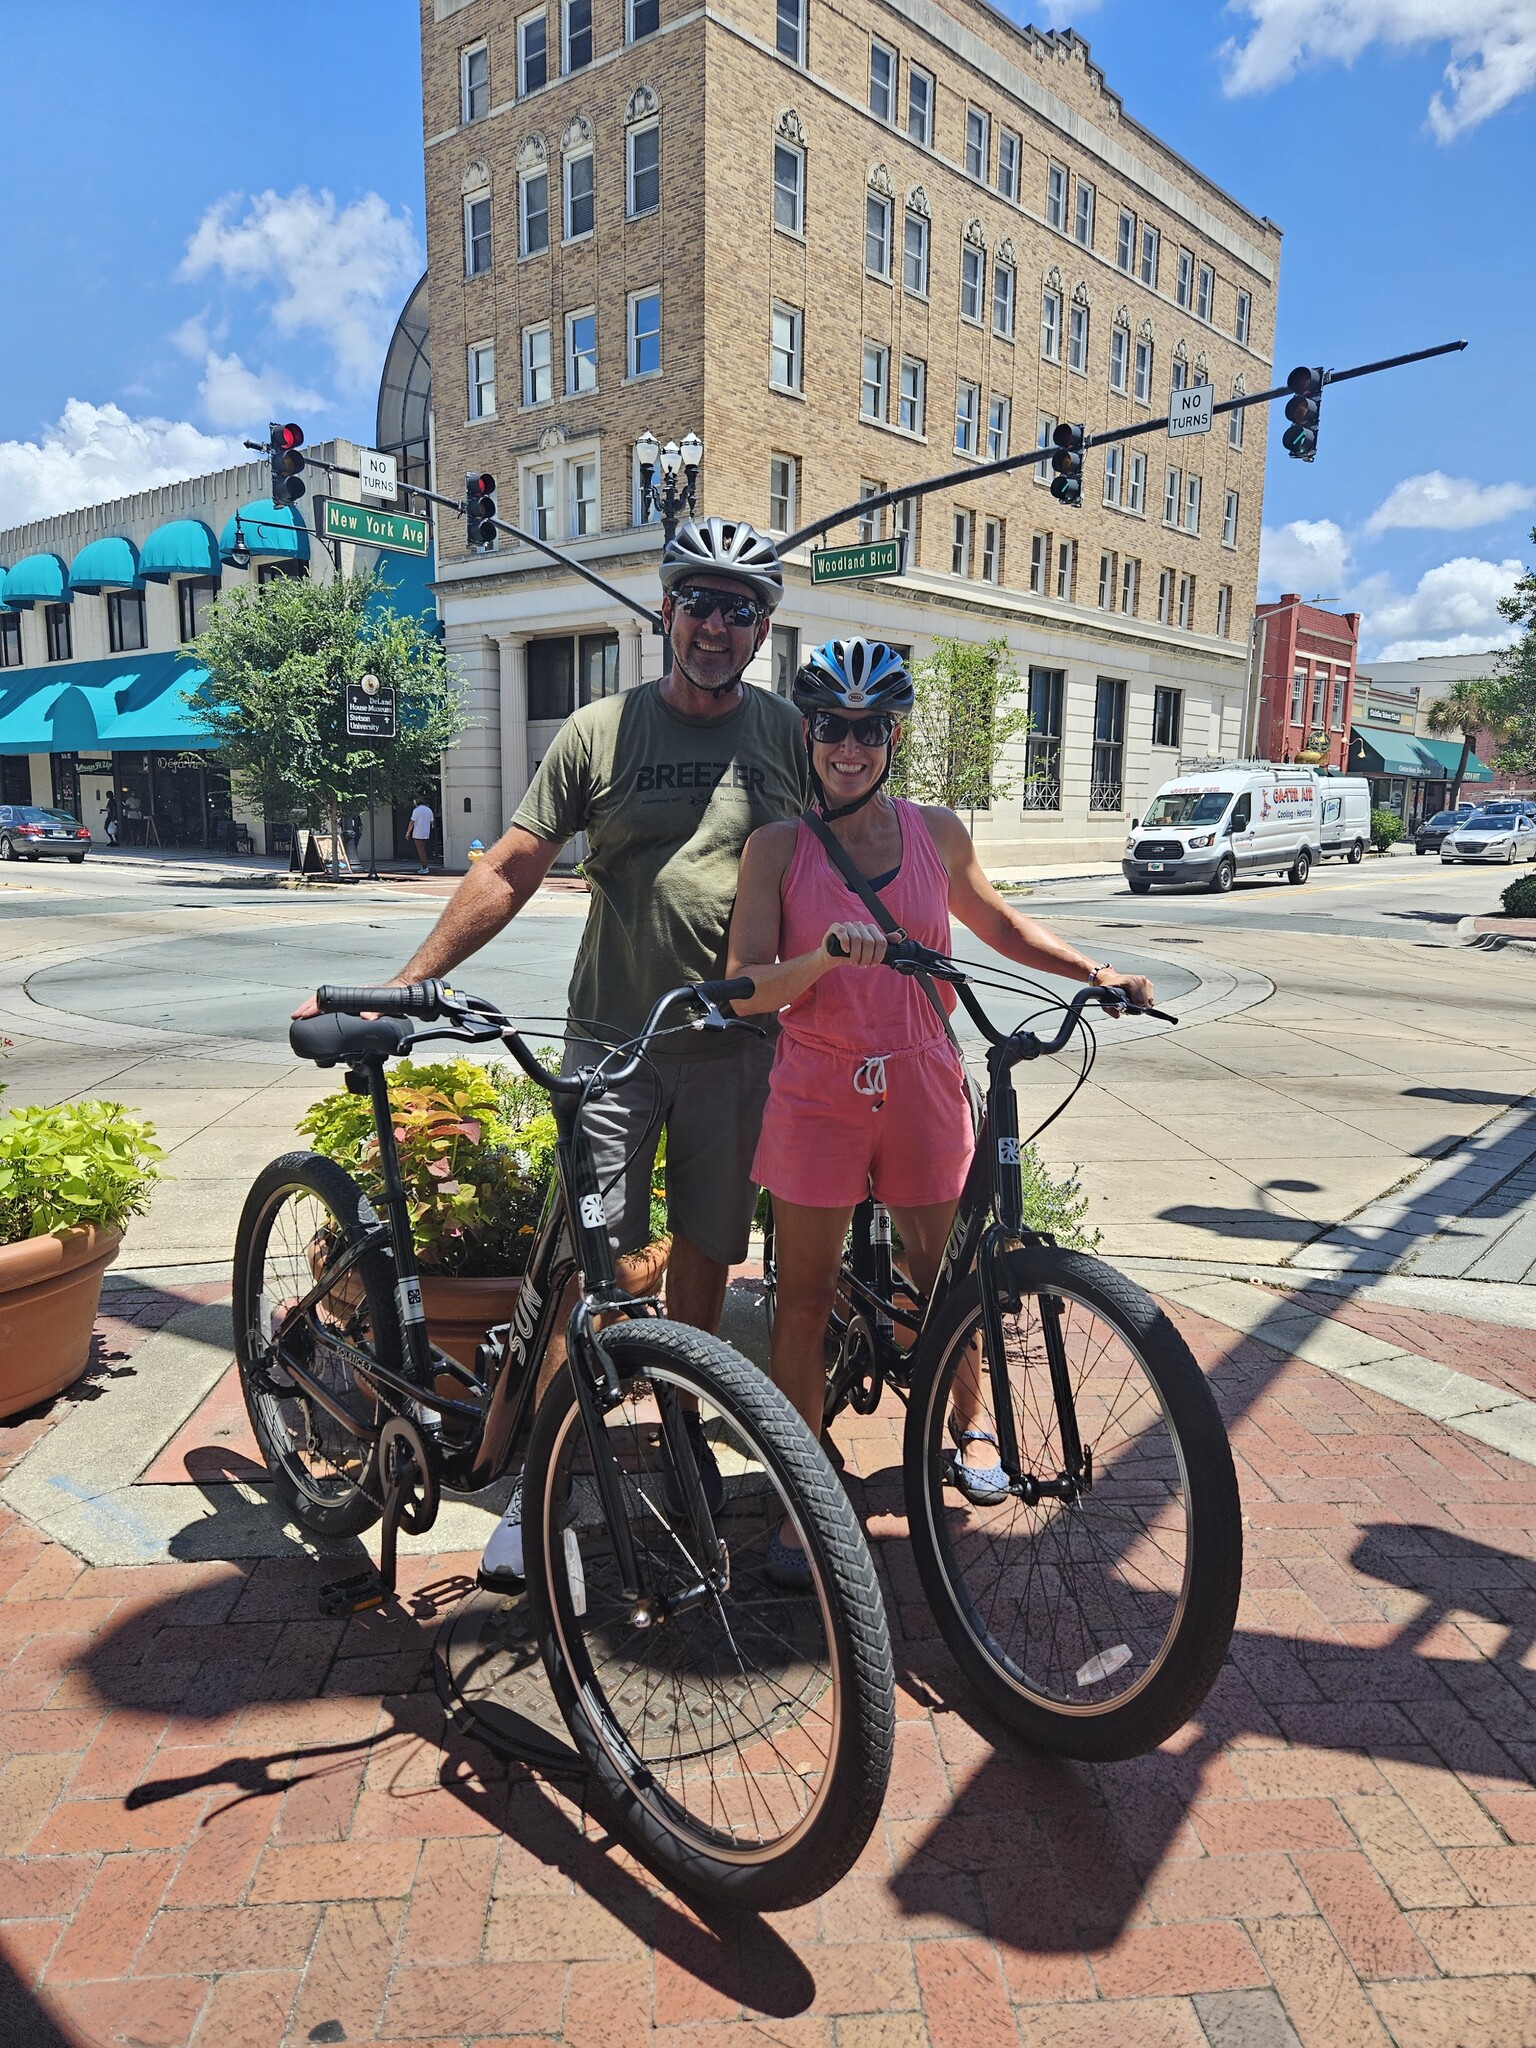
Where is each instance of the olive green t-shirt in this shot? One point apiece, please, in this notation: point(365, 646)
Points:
point(667, 803)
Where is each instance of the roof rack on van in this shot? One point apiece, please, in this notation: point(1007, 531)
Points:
point(1210, 764)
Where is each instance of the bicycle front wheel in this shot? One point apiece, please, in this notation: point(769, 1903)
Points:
point(1094, 1627)
point(741, 1743)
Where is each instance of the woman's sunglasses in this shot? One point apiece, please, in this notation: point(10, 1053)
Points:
point(700, 603)
point(827, 729)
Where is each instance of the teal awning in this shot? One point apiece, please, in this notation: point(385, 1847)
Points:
point(184, 547)
point(269, 533)
point(110, 563)
point(135, 702)
point(35, 579)
point(1378, 752)
point(1446, 753)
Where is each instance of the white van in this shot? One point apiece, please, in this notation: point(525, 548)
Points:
point(1228, 819)
point(1346, 821)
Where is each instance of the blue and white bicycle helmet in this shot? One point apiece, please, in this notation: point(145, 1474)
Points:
point(854, 676)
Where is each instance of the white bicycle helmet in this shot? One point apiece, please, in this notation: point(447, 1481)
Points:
point(724, 547)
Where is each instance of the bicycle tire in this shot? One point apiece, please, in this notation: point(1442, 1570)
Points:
point(1060, 1686)
point(351, 1498)
point(651, 1748)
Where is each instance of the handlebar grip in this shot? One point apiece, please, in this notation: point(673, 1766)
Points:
point(836, 947)
point(716, 994)
point(416, 999)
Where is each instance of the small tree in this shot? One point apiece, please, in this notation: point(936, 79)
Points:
point(279, 657)
point(1386, 828)
point(1514, 689)
point(953, 740)
point(1466, 709)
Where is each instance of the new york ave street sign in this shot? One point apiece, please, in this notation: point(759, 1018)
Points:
point(342, 520)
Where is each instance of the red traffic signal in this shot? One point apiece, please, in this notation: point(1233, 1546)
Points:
point(289, 436)
point(286, 443)
point(480, 509)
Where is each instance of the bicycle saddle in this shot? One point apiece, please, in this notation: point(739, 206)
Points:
point(327, 1040)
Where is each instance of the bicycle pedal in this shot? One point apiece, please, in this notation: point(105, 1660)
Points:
point(354, 1595)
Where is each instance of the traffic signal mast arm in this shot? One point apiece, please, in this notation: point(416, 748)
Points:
point(865, 507)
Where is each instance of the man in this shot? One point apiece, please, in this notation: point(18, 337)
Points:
point(668, 782)
point(420, 831)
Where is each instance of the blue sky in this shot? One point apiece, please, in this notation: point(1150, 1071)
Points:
point(191, 246)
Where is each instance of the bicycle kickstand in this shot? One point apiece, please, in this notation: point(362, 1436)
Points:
point(410, 1503)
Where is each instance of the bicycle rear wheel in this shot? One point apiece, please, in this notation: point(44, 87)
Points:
point(1093, 1628)
point(741, 1746)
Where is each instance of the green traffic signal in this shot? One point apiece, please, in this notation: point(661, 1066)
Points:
point(1304, 411)
point(1067, 463)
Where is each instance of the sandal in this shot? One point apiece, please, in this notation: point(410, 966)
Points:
point(983, 1485)
point(788, 1568)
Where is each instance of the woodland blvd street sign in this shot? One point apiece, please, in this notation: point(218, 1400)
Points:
point(342, 520)
point(869, 558)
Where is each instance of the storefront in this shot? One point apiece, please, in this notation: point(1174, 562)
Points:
point(1410, 776)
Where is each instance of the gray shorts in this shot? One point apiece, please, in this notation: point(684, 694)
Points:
point(711, 1110)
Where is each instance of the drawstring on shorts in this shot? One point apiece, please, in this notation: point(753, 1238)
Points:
point(869, 1079)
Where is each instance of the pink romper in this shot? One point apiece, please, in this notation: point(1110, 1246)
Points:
point(866, 1092)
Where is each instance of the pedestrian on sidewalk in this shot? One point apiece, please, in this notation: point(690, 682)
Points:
point(420, 831)
point(109, 819)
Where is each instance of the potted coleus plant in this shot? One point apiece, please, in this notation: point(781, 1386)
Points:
point(476, 1148)
point(71, 1176)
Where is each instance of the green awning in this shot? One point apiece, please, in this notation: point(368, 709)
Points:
point(184, 547)
point(110, 563)
point(1376, 751)
point(36, 579)
point(133, 703)
point(1446, 753)
point(268, 532)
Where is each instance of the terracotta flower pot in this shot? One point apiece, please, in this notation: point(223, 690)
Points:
point(459, 1312)
point(50, 1288)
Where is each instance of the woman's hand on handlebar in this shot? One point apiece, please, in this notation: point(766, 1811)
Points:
point(1136, 988)
point(854, 945)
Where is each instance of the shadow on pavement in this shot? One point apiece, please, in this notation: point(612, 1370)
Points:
point(23, 2020)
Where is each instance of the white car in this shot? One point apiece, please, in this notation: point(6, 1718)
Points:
point(1491, 835)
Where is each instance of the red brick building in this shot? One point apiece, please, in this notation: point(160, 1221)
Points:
point(1306, 667)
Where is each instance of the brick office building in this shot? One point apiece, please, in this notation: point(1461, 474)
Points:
point(1305, 662)
point(849, 248)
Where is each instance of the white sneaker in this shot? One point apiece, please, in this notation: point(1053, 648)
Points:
point(501, 1568)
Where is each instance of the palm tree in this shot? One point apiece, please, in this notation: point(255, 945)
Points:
point(1465, 710)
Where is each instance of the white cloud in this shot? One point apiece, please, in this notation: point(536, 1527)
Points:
point(95, 452)
point(1309, 556)
point(340, 272)
point(1448, 503)
point(1492, 47)
point(234, 396)
point(1453, 609)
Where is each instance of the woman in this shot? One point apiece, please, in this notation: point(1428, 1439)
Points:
point(867, 1093)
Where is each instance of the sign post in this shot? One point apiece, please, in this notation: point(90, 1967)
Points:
point(868, 558)
point(1189, 410)
point(371, 715)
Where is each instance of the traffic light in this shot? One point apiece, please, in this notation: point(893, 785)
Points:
point(480, 510)
point(1067, 483)
point(1303, 409)
point(287, 448)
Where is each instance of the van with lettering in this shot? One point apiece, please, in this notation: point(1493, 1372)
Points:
point(1211, 825)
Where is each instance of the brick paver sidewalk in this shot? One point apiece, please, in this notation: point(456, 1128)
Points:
point(229, 1823)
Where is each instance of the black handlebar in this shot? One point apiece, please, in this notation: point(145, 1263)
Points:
point(908, 956)
point(415, 999)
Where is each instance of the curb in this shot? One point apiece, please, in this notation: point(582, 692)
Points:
point(1467, 934)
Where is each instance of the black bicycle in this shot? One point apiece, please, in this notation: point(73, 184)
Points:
point(1088, 1588)
point(737, 1734)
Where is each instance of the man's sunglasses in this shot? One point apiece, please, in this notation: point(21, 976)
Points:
point(827, 729)
point(700, 603)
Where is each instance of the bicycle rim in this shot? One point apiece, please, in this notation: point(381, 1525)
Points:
point(1074, 1606)
point(724, 1721)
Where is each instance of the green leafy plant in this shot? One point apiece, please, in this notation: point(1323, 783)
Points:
point(73, 1163)
point(1519, 898)
point(1386, 829)
point(961, 723)
point(1058, 1207)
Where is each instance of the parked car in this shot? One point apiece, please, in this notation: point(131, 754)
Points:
point(1492, 835)
point(1496, 806)
point(27, 832)
point(1433, 833)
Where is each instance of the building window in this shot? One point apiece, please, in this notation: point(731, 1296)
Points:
point(1319, 691)
point(882, 82)
point(1173, 486)
point(1002, 300)
point(1106, 788)
point(578, 34)
point(1167, 717)
point(580, 353)
point(1106, 583)
point(783, 481)
point(541, 507)
point(1184, 288)
point(1056, 196)
point(580, 205)
point(1082, 219)
point(1077, 341)
point(482, 380)
point(920, 105)
point(1043, 433)
point(1187, 602)
point(56, 624)
point(643, 148)
point(999, 412)
point(1141, 386)
point(1165, 597)
point(1040, 563)
point(976, 139)
point(914, 255)
point(1042, 746)
point(194, 603)
point(1130, 585)
point(538, 370)
point(1050, 326)
point(992, 551)
point(959, 547)
point(870, 522)
point(912, 398)
point(1125, 243)
point(551, 678)
point(1151, 248)
point(10, 640)
point(1119, 357)
point(125, 621)
point(585, 516)
point(1066, 570)
point(784, 354)
point(644, 18)
point(1298, 695)
point(477, 235)
point(877, 234)
point(905, 514)
point(532, 52)
point(1205, 291)
point(1224, 610)
point(644, 334)
point(1229, 521)
point(873, 387)
point(1244, 315)
point(967, 405)
point(973, 283)
point(1136, 484)
point(279, 572)
point(1114, 460)
point(1340, 675)
point(1191, 504)
point(785, 656)
point(1008, 147)
point(533, 210)
point(474, 83)
point(788, 188)
point(791, 30)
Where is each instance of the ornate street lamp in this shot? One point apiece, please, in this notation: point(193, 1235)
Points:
point(677, 491)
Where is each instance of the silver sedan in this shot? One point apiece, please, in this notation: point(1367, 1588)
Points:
point(1506, 836)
